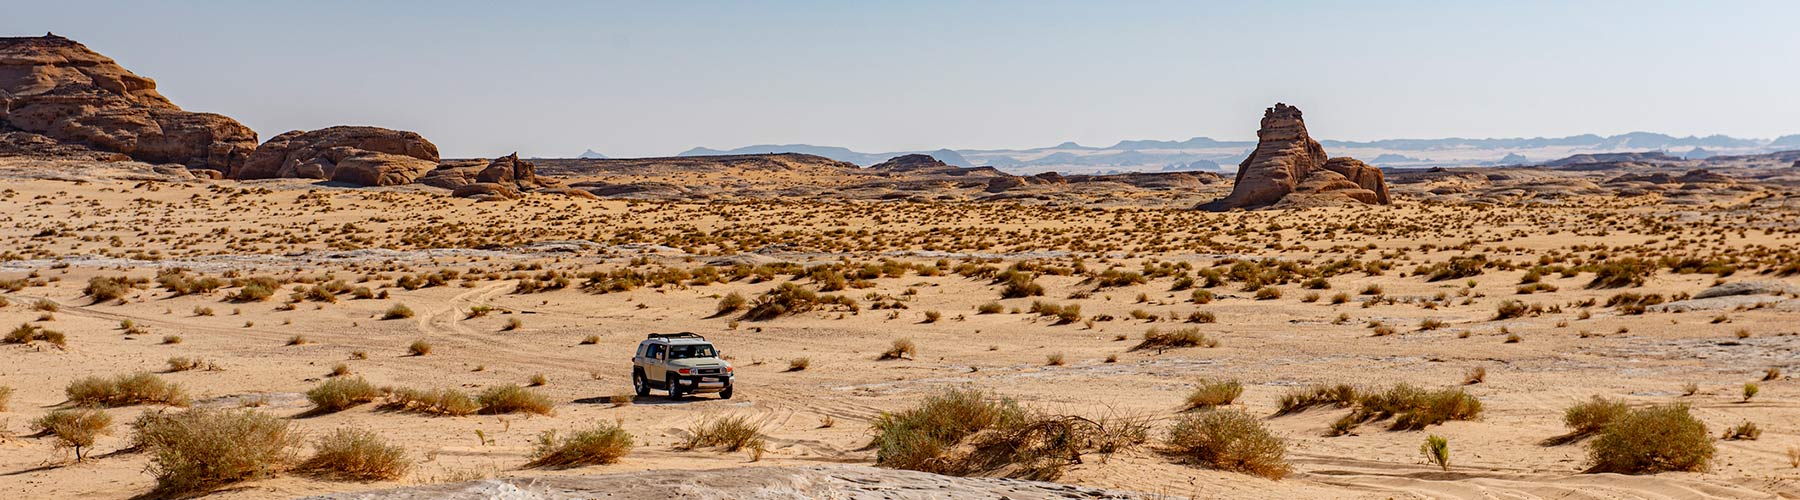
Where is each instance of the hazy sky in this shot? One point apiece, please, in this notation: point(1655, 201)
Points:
point(655, 78)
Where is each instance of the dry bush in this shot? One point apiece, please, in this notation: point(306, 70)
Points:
point(799, 364)
point(1475, 375)
point(398, 311)
point(514, 399)
point(603, 444)
point(964, 432)
point(728, 434)
point(125, 390)
point(445, 401)
point(75, 429)
point(1591, 417)
point(902, 349)
point(1210, 394)
point(1299, 400)
point(730, 303)
point(789, 298)
point(6, 393)
point(1747, 431)
point(340, 394)
point(200, 450)
point(27, 333)
point(1229, 440)
point(104, 289)
point(1650, 440)
point(1180, 337)
point(419, 348)
point(990, 308)
point(356, 454)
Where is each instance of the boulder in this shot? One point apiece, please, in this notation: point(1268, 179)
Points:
point(1287, 159)
point(365, 156)
point(60, 89)
point(486, 191)
point(508, 169)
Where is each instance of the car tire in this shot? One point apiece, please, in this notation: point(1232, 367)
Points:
point(639, 384)
point(674, 385)
point(726, 394)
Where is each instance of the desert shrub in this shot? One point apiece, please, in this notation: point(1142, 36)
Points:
point(1298, 400)
point(964, 432)
point(1650, 440)
point(26, 333)
point(255, 290)
point(6, 393)
point(199, 450)
point(1181, 337)
point(789, 298)
point(799, 364)
point(731, 302)
point(990, 308)
point(1437, 451)
point(339, 394)
point(727, 434)
point(1229, 440)
point(1620, 273)
point(1455, 268)
point(514, 399)
point(1414, 408)
point(1510, 309)
point(1268, 293)
point(1202, 296)
point(398, 311)
point(445, 401)
point(1747, 431)
point(75, 429)
point(419, 348)
point(600, 445)
point(1592, 416)
point(1750, 390)
point(356, 454)
point(104, 289)
point(125, 390)
point(1213, 393)
point(1019, 285)
point(901, 349)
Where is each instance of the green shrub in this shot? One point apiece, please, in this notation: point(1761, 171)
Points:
point(1650, 440)
point(1229, 440)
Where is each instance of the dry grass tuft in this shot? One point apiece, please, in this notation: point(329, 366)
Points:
point(603, 444)
point(356, 454)
point(1210, 394)
point(125, 390)
point(514, 399)
point(1229, 440)
point(340, 394)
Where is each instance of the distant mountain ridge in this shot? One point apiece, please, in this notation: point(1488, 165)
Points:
point(1206, 152)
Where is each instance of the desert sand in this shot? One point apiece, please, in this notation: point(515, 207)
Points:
point(66, 223)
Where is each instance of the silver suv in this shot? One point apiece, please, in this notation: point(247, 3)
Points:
point(680, 363)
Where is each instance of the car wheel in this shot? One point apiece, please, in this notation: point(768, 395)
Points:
point(726, 394)
point(639, 384)
point(674, 385)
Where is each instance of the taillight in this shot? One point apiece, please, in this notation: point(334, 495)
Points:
point(728, 369)
point(683, 371)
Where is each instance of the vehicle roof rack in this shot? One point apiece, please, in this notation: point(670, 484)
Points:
point(682, 335)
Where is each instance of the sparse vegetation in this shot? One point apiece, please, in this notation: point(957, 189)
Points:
point(1229, 440)
point(1663, 438)
point(601, 444)
point(356, 454)
point(199, 450)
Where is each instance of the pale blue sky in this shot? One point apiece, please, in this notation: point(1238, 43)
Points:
point(654, 78)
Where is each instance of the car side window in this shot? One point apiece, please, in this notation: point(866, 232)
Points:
point(655, 352)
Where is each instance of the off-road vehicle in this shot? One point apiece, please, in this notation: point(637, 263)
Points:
point(680, 363)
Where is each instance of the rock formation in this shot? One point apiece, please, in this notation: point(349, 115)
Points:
point(364, 156)
point(57, 88)
point(1287, 161)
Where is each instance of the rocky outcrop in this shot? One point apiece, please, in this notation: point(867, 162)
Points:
point(57, 88)
point(1287, 161)
point(364, 156)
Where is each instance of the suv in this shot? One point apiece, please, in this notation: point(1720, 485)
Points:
point(681, 363)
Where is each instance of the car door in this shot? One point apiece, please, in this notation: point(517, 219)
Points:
point(654, 362)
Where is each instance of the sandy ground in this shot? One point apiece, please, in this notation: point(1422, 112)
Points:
point(59, 234)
